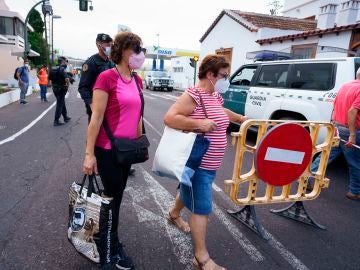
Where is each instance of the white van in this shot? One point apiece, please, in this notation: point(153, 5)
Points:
point(302, 89)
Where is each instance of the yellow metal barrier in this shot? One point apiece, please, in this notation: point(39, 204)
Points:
point(293, 192)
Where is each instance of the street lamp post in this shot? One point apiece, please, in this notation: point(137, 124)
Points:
point(26, 40)
point(52, 36)
point(157, 51)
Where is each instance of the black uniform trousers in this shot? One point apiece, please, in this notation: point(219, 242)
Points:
point(60, 93)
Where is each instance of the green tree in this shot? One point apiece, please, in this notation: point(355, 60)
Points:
point(36, 21)
point(36, 39)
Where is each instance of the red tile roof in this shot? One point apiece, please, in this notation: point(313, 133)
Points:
point(316, 32)
point(253, 21)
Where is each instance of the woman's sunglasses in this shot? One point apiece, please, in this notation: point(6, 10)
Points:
point(224, 75)
point(138, 49)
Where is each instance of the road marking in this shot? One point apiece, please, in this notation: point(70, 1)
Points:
point(149, 97)
point(181, 242)
point(245, 243)
point(172, 98)
point(165, 200)
point(284, 155)
point(287, 255)
point(150, 125)
point(17, 134)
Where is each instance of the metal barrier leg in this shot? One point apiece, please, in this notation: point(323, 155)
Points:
point(247, 216)
point(297, 211)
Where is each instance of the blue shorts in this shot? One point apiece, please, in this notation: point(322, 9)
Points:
point(198, 198)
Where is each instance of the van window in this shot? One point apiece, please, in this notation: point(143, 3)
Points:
point(272, 76)
point(357, 65)
point(244, 76)
point(312, 76)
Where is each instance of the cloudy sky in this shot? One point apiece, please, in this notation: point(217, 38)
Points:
point(179, 23)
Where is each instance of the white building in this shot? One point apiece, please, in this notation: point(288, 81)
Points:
point(234, 33)
point(308, 29)
point(182, 73)
point(12, 29)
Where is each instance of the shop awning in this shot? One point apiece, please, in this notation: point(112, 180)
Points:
point(20, 53)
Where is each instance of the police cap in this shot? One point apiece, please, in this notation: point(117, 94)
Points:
point(62, 58)
point(103, 38)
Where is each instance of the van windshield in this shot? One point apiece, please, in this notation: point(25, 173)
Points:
point(159, 74)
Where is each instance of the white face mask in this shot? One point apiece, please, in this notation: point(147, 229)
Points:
point(27, 65)
point(107, 50)
point(221, 85)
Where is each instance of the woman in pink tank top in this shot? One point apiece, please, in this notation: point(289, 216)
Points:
point(188, 114)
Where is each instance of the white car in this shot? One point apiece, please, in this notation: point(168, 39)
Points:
point(159, 80)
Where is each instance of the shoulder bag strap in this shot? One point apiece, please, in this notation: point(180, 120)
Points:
point(202, 104)
point(136, 77)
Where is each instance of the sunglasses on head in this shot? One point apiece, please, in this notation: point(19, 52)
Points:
point(138, 49)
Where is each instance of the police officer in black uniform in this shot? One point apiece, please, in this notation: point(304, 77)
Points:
point(60, 85)
point(93, 66)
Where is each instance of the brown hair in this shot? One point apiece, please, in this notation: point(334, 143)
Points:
point(122, 42)
point(212, 63)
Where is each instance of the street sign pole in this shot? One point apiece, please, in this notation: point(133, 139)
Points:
point(195, 63)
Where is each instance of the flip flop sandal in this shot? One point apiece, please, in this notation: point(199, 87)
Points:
point(174, 221)
point(200, 265)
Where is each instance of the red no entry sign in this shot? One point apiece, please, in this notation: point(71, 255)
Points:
point(283, 154)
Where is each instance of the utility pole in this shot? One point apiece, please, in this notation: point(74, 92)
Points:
point(47, 7)
point(52, 36)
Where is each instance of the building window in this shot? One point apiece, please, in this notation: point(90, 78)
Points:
point(20, 28)
point(178, 69)
point(304, 51)
point(6, 26)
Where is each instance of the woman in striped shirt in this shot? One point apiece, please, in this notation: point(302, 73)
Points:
point(187, 114)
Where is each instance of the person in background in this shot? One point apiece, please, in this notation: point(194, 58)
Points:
point(346, 118)
point(92, 68)
point(43, 82)
point(60, 84)
point(187, 114)
point(23, 78)
point(115, 99)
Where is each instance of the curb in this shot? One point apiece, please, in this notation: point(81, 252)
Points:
point(12, 96)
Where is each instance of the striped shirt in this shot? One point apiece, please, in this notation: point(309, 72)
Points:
point(213, 103)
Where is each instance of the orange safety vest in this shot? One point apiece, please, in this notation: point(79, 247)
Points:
point(43, 77)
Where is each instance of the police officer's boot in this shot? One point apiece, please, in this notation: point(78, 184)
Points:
point(57, 123)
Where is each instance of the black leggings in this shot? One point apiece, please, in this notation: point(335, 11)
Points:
point(113, 177)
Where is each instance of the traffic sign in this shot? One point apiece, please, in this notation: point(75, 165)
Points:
point(283, 154)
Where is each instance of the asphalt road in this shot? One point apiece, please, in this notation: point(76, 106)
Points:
point(38, 165)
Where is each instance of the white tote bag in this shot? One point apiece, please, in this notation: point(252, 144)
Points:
point(179, 154)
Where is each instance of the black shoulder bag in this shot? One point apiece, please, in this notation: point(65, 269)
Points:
point(129, 151)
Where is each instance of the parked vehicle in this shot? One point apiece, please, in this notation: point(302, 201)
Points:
point(159, 80)
point(302, 89)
